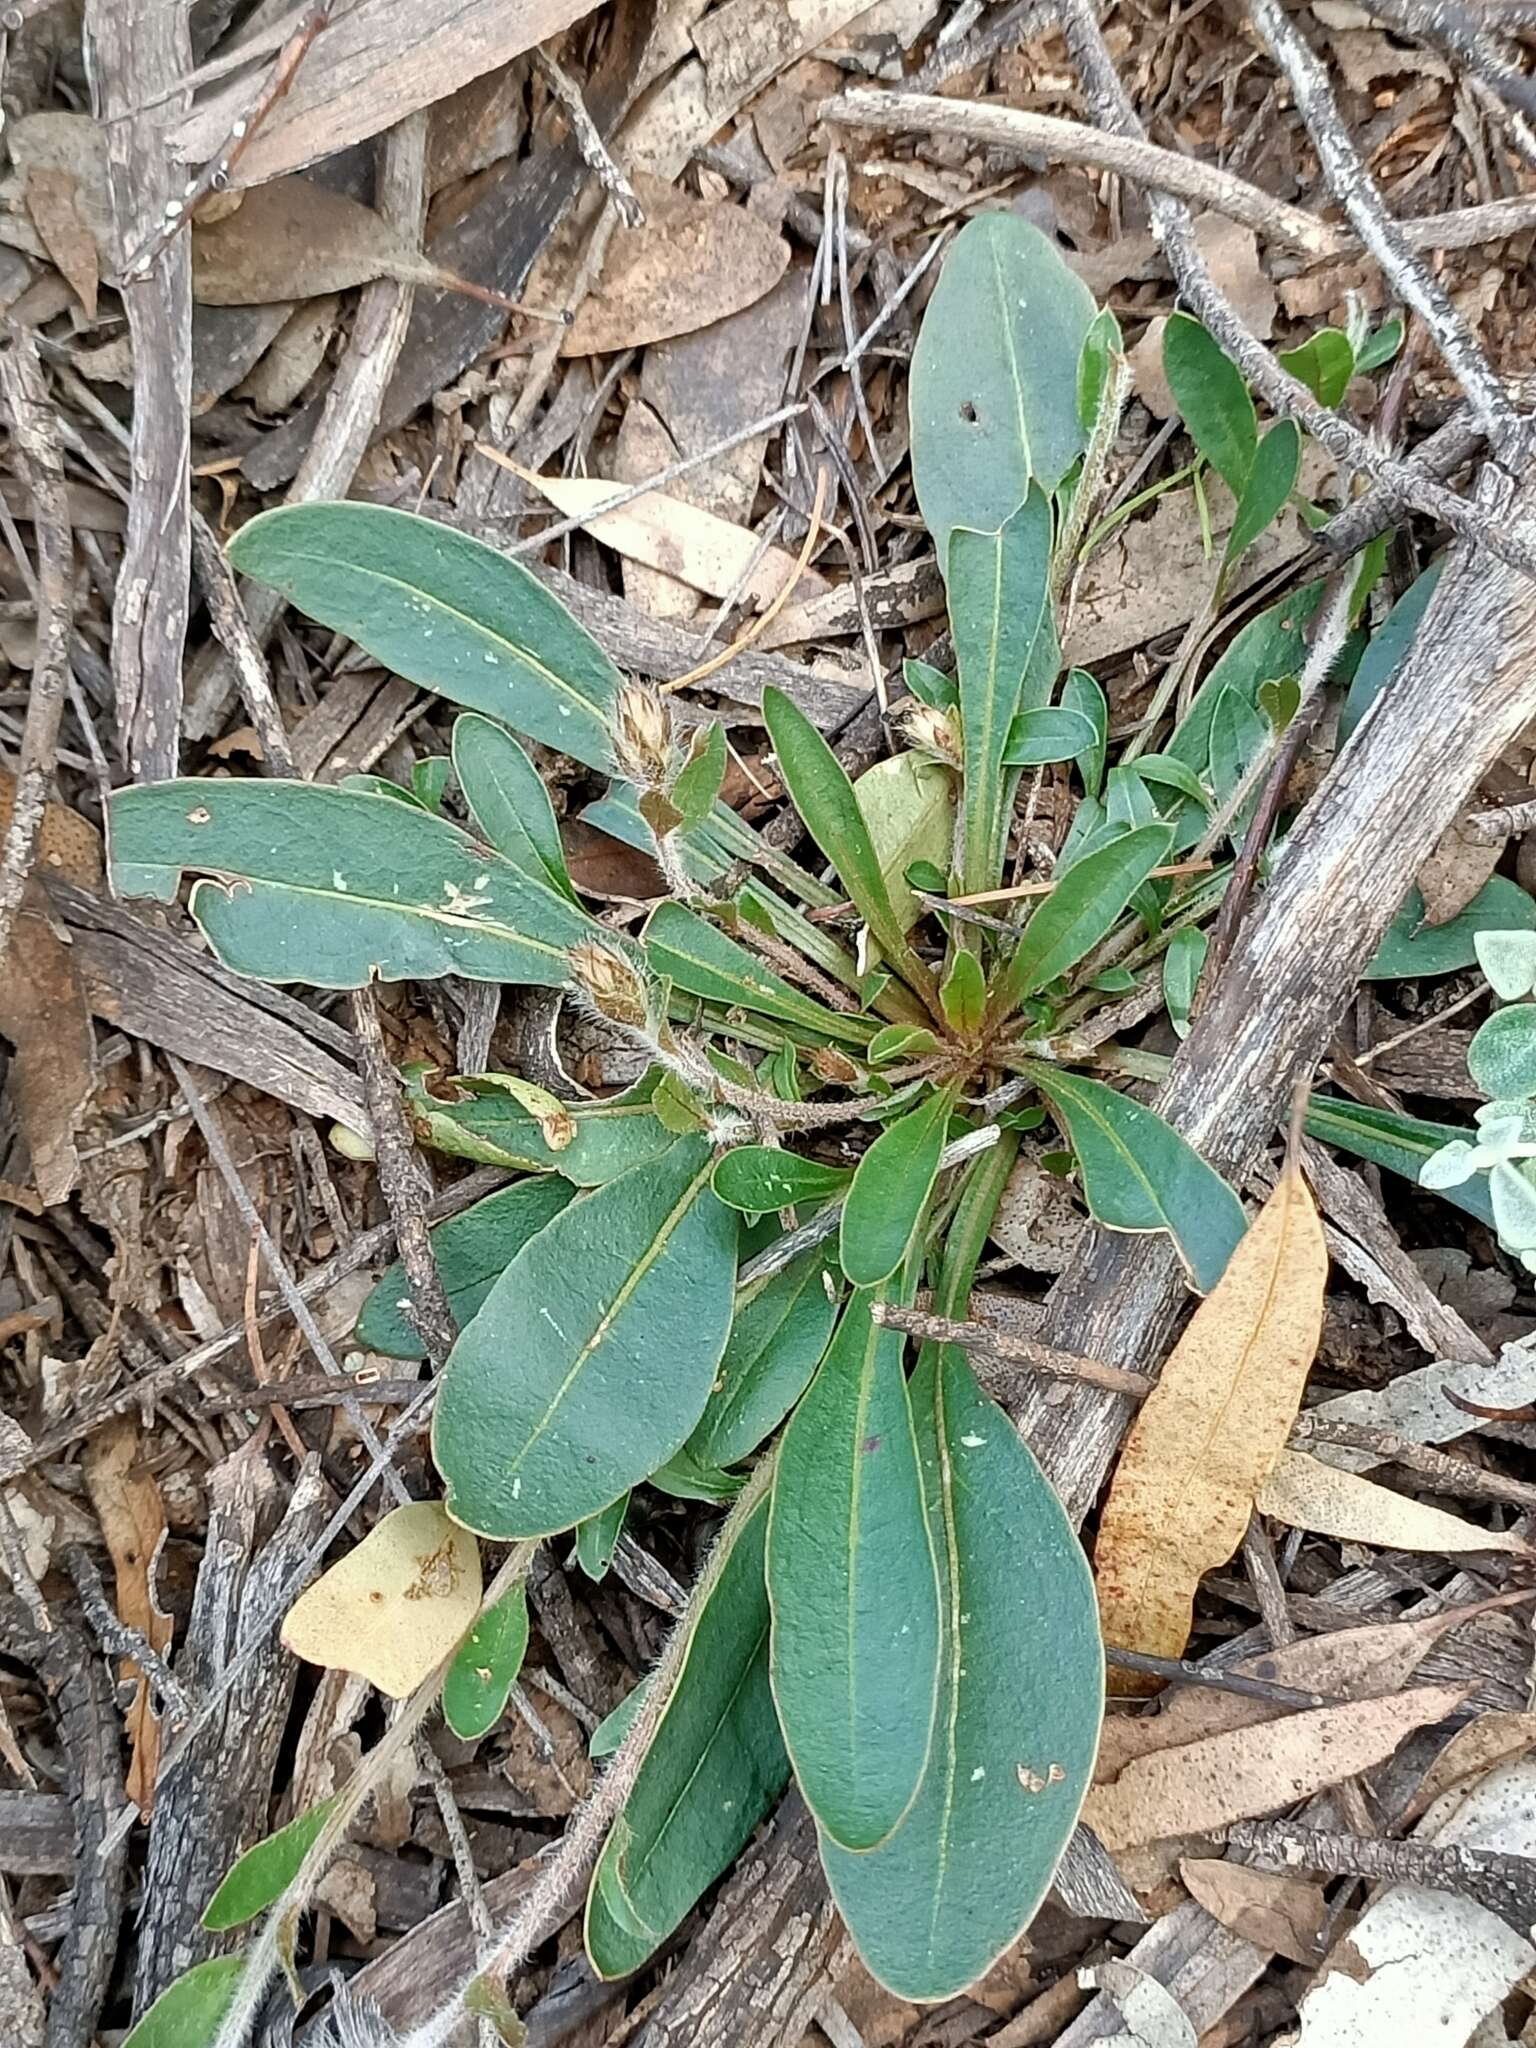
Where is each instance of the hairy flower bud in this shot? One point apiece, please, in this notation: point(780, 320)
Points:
point(642, 735)
point(931, 731)
point(613, 987)
point(831, 1065)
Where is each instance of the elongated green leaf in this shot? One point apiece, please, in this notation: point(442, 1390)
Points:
point(1103, 348)
point(593, 1356)
point(508, 800)
point(1380, 347)
point(1387, 648)
point(714, 1767)
point(851, 1578)
point(687, 1477)
point(613, 1728)
point(1182, 966)
point(1212, 398)
point(821, 792)
point(472, 1252)
point(890, 1191)
point(760, 1178)
point(997, 593)
point(1325, 362)
point(1167, 772)
point(1271, 481)
point(1021, 1689)
point(1273, 644)
point(598, 1536)
point(1052, 733)
point(493, 1127)
point(1138, 1174)
point(696, 956)
point(482, 1674)
point(777, 1340)
point(993, 393)
point(1082, 693)
point(442, 610)
point(337, 888)
point(1413, 947)
point(187, 2013)
point(1084, 907)
point(964, 994)
point(265, 1871)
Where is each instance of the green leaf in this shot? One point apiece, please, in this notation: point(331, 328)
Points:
point(264, 1872)
point(993, 391)
point(1167, 772)
point(1081, 692)
point(1182, 966)
point(598, 1536)
point(890, 1190)
point(777, 1340)
point(1392, 1139)
point(900, 1042)
point(1138, 1174)
point(187, 2013)
point(1103, 346)
point(429, 780)
point(714, 1767)
point(696, 956)
point(495, 1129)
point(929, 685)
point(1276, 465)
point(1084, 908)
point(594, 1353)
point(687, 1477)
point(1273, 644)
point(1325, 362)
point(472, 1251)
point(1280, 700)
point(1502, 1056)
point(1380, 347)
point(1387, 648)
point(819, 788)
point(443, 611)
point(997, 594)
point(758, 1179)
point(699, 779)
point(964, 994)
point(337, 888)
point(1021, 1687)
point(1212, 398)
point(612, 1729)
point(508, 801)
point(485, 1667)
point(1053, 733)
point(851, 1578)
point(908, 804)
point(1413, 947)
point(1508, 959)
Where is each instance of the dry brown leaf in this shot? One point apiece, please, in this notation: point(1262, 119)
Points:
point(1308, 1494)
point(694, 261)
point(1285, 1914)
point(696, 546)
point(75, 145)
point(392, 1609)
point(43, 1012)
point(68, 845)
point(53, 200)
point(1473, 1751)
point(132, 1516)
point(1252, 1771)
point(1455, 871)
point(295, 352)
point(1210, 1430)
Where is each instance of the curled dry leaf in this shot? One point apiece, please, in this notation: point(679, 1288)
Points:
point(1251, 1771)
point(1285, 1914)
point(58, 214)
point(1308, 1494)
point(1472, 1752)
point(392, 1609)
point(1211, 1429)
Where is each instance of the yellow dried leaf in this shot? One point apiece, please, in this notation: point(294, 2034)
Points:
point(1211, 1429)
point(392, 1609)
point(1311, 1495)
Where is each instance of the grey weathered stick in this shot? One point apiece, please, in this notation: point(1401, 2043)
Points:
point(25, 395)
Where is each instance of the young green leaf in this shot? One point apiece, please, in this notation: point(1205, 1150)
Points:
point(1212, 398)
point(1052, 733)
point(471, 1250)
point(187, 2013)
point(1270, 483)
point(1021, 1687)
point(1413, 947)
point(890, 1190)
point(1508, 959)
point(1273, 644)
point(508, 801)
point(612, 1729)
point(485, 1669)
point(819, 788)
point(1163, 770)
point(1325, 362)
point(777, 1340)
point(851, 1578)
point(429, 781)
point(337, 888)
point(1380, 347)
point(993, 392)
point(715, 1765)
point(687, 1477)
point(929, 685)
point(758, 1179)
point(264, 1872)
point(494, 1128)
point(598, 1536)
point(1387, 649)
point(593, 1355)
point(1502, 1056)
point(964, 994)
point(699, 779)
point(1182, 966)
point(1103, 345)
point(998, 584)
point(443, 611)
point(696, 956)
point(1080, 692)
point(900, 1042)
point(1084, 907)
point(1138, 1174)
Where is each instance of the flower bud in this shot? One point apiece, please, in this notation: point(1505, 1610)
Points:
point(931, 731)
point(612, 986)
point(829, 1064)
point(642, 735)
